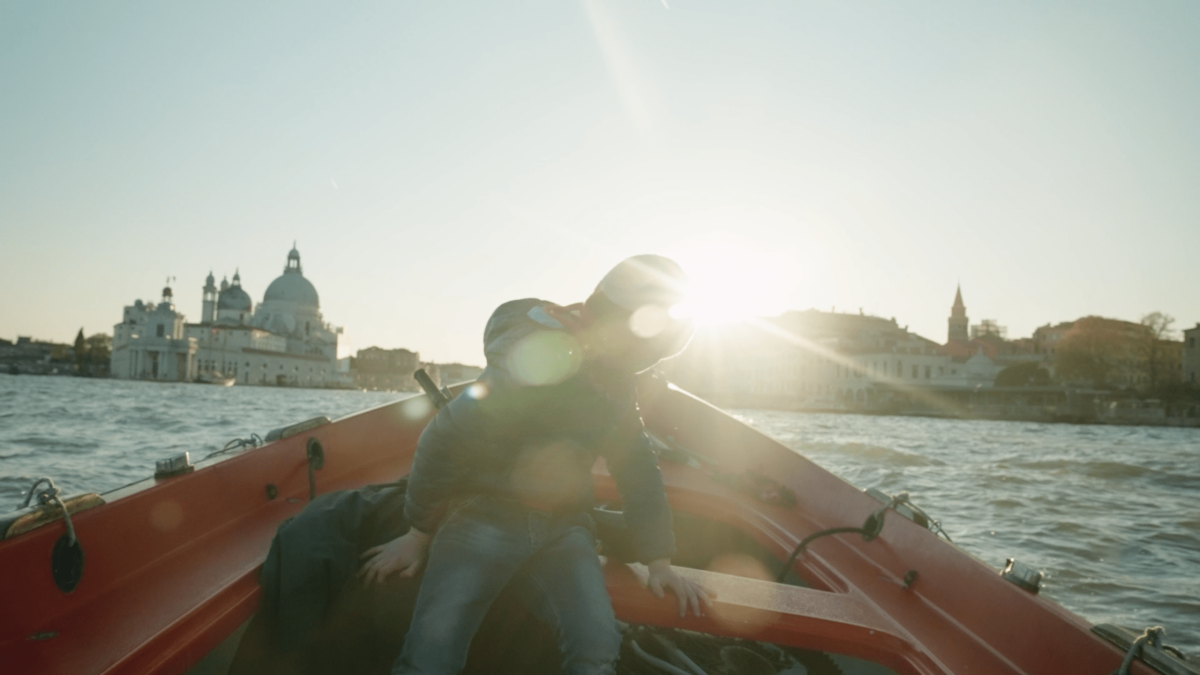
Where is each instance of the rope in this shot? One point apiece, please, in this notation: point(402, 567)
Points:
point(48, 496)
point(676, 654)
point(1153, 635)
point(237, 444)
point(29, 495)
point(656, 662)
point(870, 529)
point(935, 525)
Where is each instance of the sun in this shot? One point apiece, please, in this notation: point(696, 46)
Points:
point(733, 279)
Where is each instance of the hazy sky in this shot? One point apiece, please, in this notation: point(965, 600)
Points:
point(434, 159)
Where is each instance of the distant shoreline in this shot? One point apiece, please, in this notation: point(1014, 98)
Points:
point(1037, 415)
point(1032, 414)
point(206, 384)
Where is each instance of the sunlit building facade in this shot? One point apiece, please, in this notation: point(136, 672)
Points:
point(150, 343)
point(284, 341)
point(378, 369)
point(1190, 359)
point(827, 360)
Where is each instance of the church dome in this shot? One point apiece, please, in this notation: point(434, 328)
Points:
point(292, 286)
point(234, 298)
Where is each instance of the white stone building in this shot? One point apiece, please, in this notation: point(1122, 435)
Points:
point(285, 341)
point(150, 343)
point(1190, 363)
point(827, 360)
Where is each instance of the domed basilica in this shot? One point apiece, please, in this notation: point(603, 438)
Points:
point(283, 342)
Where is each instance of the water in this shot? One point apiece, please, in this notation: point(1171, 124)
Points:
point(1110, 513)
point(97, 435)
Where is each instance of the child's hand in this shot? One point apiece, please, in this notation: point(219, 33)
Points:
point(404, 554)
point(687, 591)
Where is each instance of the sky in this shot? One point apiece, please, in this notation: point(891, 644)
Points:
point(434, 159)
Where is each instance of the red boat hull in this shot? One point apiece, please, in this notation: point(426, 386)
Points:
point(171, 566)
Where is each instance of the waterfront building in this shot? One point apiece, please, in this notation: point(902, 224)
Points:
point(285, 341)
point(823, 360)
point(150, 343)
point(1098, 351)
point(453, 373)
point(30, 356)
point(827, 360)
point(392, 370)
point(958, 318)
point(380, 369)
point(1047, 338)
point(989, 328)
point(830, 361)
point(982, 354)
point(1190, 356)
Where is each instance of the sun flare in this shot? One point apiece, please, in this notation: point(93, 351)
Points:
point(733, 279)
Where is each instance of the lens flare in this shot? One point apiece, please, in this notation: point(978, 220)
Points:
point(416, 408)
point(681, 311)
point(648, 321)
point(544, 358)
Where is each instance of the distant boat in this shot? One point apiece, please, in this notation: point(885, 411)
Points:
point(216, 378)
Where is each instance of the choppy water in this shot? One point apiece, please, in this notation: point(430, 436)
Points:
point(98, 435)
point(1112, 514)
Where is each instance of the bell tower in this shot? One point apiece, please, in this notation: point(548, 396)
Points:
point(293, 261)
point(208, 313)
point(958, 319)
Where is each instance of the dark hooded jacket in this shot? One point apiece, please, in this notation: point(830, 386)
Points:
point(533, 426)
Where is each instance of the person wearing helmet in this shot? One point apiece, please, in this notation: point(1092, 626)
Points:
point(501, 487)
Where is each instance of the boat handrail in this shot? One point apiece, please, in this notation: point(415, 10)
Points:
point(870, 529)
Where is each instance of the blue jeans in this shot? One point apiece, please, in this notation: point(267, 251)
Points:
point(550, 559)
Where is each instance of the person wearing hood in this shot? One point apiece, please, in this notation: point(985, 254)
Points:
point(501, 487)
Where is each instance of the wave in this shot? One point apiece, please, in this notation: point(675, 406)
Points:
point(1093, 469)
point(1115, 470)
point(65, 444)
point(1177, 481)
point(875, 453)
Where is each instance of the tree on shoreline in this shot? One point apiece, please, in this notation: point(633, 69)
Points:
point(1156, 348)
point(92, 354)
point(1023, 375)
point(99, 351)
point(1114, 354)
point(80, 351)
point(1091, 352)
